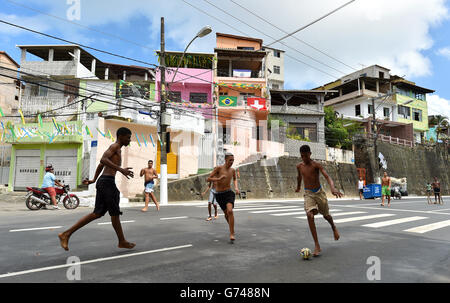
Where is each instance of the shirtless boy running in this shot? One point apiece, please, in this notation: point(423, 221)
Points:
point(315, 197)
point(108, 196)
point(150, 175)
point(222, 176)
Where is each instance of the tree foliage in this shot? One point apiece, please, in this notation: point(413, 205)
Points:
point(339, 132)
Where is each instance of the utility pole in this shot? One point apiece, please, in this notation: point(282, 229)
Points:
point(375, 137)
point(162, 122)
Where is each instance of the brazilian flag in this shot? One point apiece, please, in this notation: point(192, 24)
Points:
point(227, 101)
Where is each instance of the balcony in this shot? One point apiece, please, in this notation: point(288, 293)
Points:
point(225, 72)
point(304, 109)
point(57, 68)
point(31, 105)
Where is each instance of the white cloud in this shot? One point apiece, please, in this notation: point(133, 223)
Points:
point(393, 34)
point(445, 52)
point(438, 105)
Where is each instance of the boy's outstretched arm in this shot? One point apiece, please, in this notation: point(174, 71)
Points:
point(299, 179)
point(97, 173)
point(334, 191)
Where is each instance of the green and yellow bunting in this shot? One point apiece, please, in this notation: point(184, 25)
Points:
point(227, 101)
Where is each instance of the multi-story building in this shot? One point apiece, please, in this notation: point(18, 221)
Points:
point(242, 94)
point(190, 89)
point(274, 68)
point(372, 91)
point(91, 99)
point(301, 114)
point(9, 85)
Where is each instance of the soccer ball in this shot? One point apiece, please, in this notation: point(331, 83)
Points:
point(306, 253)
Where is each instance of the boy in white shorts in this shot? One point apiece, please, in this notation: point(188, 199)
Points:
point(212, 200)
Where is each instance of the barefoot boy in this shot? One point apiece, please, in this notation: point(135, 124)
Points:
point(150, 175)
point(108, 196)
point(315, 197)
point(222, 176)
point(211, 200)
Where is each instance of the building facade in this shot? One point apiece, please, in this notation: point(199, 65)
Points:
point(274, 68)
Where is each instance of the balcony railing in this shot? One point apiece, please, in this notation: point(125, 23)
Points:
point(225, 72)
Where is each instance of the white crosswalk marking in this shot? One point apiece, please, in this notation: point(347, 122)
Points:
point(261, 208)
point(275, 210)
point(393, 222)
point(339, 214)
point(362, 218)
point(429, 227)
point(289, 214)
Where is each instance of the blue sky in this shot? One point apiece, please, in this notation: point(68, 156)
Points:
point(406, 36)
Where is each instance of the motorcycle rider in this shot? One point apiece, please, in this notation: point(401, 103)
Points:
point(49, 184)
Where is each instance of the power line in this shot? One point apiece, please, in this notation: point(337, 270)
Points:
point(311, 23)
point(282, 30)
point(296, 50)
point(77, 24)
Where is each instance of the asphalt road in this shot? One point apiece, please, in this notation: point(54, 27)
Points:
point(410, 240)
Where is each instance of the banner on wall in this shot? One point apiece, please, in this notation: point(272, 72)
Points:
point(227, 101)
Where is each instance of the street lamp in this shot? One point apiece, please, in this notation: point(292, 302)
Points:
point(164, 120)
point(203, 32)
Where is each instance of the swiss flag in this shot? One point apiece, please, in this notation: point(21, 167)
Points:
point(257, 103)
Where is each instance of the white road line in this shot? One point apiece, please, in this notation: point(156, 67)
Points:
point(37, 228)
point(339, 214)
point(241, 204)
point(393, 222)
point(261, 208)
point(274, 210)
point(289, 214)
point(429, 227)
point(173, 218)
point(393, 209)
point(106, 223)
point(362, 218)
point(91, 261)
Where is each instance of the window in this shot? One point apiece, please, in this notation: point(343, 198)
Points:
point(198, 97)
point(39, 90)
point(386, 112)
point(417, 114)
point(175, 96)
point(90, 116)
point(275, 86)
point(358, 110)
point(370, 109)
point(381, 75)
point(404, 111)
point(245, 48)
point(306, 130)
point(276, 69)
point(276, 53)
point(226, 135)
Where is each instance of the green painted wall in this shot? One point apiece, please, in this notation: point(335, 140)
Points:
point(421, 126)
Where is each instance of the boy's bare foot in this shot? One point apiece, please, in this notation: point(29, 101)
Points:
point(209, 218)
point(336, 234)
point(126, 245)
point(232, 238)
point(64, 241)
point(317, 251)
point(144, 209)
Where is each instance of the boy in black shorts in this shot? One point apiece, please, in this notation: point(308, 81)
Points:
point(108, 196)
point(222, 175)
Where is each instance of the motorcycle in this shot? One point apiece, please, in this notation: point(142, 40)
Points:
point(37, 198)
point(396, 193)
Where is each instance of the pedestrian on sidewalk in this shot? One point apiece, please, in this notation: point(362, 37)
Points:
point(315, 198)
point(429, 187)
point(108, 196)
point(222, 176)
point(437, 191)
point(360, 188)
point(211, 200)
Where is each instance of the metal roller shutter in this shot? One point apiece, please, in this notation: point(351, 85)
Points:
point(27, 169)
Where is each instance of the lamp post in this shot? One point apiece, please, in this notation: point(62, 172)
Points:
point(164, 118)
